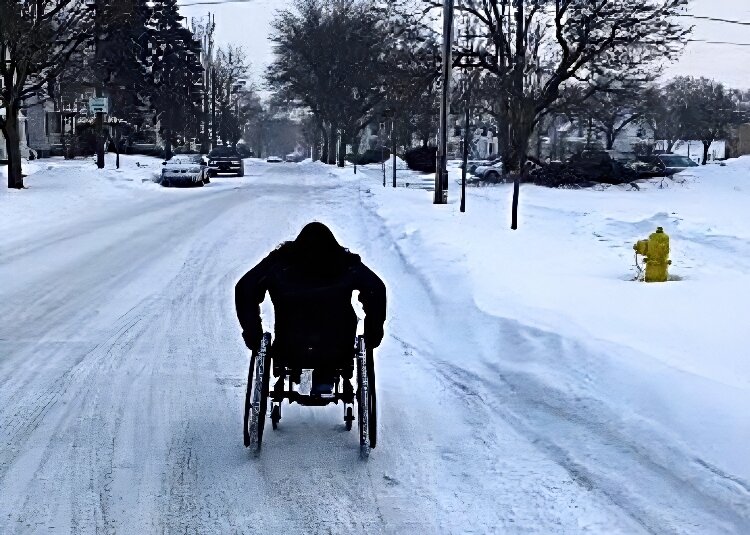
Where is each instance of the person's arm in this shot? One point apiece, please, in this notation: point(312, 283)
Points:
point(248, 295)
point(372, 295)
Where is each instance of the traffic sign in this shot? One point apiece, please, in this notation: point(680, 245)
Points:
point(99, 105)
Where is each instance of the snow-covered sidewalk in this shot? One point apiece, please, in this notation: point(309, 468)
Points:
point(663, 367)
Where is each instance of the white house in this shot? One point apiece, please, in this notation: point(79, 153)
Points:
point(22, 133)
point(694, 149)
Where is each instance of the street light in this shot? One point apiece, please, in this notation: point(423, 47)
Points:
point(115, 123)
point(381, 129)
point(441, 175)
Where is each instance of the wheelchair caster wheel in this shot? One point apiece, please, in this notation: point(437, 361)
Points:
point(348, 418)
point(275, 416)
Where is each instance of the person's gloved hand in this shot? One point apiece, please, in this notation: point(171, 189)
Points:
point(373, 336)
point(253, 338)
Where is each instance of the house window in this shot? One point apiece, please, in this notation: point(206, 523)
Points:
point(54, 122)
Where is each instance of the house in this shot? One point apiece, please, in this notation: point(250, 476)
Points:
point(25, 152)
point(693, 149)
point(563, 138)
point(51, 123)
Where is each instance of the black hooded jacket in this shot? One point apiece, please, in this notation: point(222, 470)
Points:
point(310, 281)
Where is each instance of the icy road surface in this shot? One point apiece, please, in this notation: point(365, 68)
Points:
point(122, 377)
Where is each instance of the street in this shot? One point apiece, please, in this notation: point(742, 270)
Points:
point(122, 380)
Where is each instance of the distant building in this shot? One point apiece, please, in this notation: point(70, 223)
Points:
point(52, 123)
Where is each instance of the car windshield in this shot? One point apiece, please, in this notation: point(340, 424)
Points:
point(186, 158)
point(223, 152)
point(677, 161)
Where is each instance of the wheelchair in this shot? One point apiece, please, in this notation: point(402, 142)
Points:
point(258, 395)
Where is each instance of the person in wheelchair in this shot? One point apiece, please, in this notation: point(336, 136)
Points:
point(311, 281)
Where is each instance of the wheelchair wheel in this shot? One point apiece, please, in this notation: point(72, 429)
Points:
point(366, 399)
point(256, 397)
point(275, 415)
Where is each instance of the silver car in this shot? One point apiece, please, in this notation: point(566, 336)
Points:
point(490, 171)
point(184, 170)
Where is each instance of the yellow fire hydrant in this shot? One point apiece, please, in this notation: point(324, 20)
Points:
point(656, 252)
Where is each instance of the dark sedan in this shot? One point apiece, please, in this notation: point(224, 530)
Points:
point(667, 164)
point(225, 160)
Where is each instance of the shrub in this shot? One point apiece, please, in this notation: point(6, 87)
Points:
point(422, 159)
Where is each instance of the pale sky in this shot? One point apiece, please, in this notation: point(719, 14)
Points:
point(248, 24)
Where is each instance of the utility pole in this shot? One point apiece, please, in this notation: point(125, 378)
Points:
point(381, 133)
point(99, 124)
point(393, 148)
point(520, 65)
point(467, 118)
point(441, 175)
point(213, 106)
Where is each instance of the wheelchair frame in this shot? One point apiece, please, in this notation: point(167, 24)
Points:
point(258, 393)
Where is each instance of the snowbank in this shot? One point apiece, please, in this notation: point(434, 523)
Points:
point(671, 359)
point(59, 190)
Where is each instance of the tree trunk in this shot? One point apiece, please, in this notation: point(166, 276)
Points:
point(519, 148)
point(168, 145)
point(355, 151)
point(99, 134)
point(342, 149)
point(117, 146)
point(13, 144)
point(326, 145)
point(331, 158)
point(611, 137)
point(706, 147)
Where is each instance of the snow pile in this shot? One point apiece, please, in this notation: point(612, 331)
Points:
point(669, 360)
point(60, 190)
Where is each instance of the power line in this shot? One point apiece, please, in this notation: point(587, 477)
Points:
point(715, 19)
point(213, 2)
point(731, 43)
point(217, 2)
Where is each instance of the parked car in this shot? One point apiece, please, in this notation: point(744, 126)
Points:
point(489, 171)
point(274, 159)
point(471, 165)
point(184, 170)
point(294, 157)
point(646, 168)
point(244, 150)
point(669, 164)
point(585, 169)
point(225, 160)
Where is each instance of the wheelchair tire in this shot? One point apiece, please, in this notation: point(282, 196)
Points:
point(366, 399)
point(275, 415)
point(257, 394)
point(348, 418)
point(372, 404)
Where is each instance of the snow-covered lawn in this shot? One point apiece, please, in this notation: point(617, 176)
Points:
point(671, 361)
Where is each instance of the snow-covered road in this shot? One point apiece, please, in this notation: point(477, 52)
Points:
point(122, 381)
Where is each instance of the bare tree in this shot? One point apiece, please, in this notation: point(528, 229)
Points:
point(36, 41)
point(231, 68)
point(535, 48)
point(606, 114)
point(340, 60)
point(706, 109)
